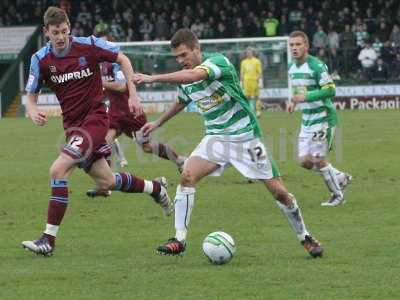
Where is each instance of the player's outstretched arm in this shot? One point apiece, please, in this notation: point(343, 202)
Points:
point(36, 116)
point(179, 77)
point(151, 126)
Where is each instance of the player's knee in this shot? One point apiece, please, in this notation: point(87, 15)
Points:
point(105, 183)
point(305, 163)
point(319, 164)
point(147, 148)
point(187, 178)
point(56, 171)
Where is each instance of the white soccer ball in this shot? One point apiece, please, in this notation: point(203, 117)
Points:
point(219, 247)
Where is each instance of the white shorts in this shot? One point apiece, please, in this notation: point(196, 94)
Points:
point(316, 143)
point(250, 158)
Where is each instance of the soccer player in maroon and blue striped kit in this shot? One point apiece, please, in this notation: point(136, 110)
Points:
point(123, 121)
point(70, 68)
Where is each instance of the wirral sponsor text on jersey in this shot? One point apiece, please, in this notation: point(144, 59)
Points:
point(72, 75)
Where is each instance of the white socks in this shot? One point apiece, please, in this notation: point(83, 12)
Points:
point(341, 177)
point(294, 217)
point(329, 174)
point(51, 229)
point(117, 149)
point(184, 201)
point(148, 186)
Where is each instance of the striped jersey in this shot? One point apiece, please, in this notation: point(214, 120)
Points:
point(221, 101)
point(313, 76)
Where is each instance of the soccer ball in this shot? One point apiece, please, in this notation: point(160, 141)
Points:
point(219, 247)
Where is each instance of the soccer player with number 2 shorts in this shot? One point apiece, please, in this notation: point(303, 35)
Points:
point(232, 136)
point(70, 67)
point(313, 90)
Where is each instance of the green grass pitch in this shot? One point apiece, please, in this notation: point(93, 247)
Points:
point(106, 247)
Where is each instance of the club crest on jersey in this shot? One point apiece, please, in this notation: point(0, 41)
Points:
point(53, 69)
point(82, 61)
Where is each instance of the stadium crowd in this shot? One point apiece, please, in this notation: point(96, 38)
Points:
point(358, 39)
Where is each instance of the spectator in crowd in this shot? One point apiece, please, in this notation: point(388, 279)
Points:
point(209, 32)
point(296, 15)
point(377, 45)
point(161, 28)
point(84, 14)
point(284, 27)
point(395, 36)
point(186, 21)
point(77, 30)
point(368, 58)
point(65, 5)
point(381, 71)
point(197, 28)
point(271, 25)
point(335, 63)
point(396, 67)
point(321, 54)
point(140, 20)
point(388, 53)
point(397, 16)
point(221, 31)
point(130, 35)
point(320, 39)
point(383, 32)
point(361, 35)
point(174, 27)
point(310, 15)
point(239, 28)
point(146, 28)
point(370, 20)
point(333, 38)
point(116, 29)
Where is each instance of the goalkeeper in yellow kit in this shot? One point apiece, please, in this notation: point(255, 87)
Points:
point(250, 78)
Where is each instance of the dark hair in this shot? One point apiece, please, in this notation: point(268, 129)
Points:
point(55, 16)
point(184, 36)
point(299, 33)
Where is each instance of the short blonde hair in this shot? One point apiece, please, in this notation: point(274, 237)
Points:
point(55, 16)
point(299, 33)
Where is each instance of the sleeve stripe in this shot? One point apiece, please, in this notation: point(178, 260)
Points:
point(214, 68)
point(203, 68)
point(329, 86)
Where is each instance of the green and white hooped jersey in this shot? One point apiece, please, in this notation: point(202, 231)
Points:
point(221, 102)
point(313, 76)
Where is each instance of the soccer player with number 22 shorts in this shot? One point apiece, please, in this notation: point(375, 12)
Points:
point(313, 89)
point(70, 67)
point(232, 136)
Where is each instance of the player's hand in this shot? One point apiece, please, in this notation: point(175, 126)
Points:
point(148, 128)
point(299, 98)
point(135, 106)
point(38, 118)
point(290, 107)
point(142, 78)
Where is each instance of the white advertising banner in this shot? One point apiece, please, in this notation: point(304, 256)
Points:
point(13, 39)
point(347, 97)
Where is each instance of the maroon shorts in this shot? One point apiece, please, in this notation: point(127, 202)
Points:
point(86, 143)
point(127, 123)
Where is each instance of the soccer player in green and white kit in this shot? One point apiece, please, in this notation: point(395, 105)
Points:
point(232, 136)
point(313, 90)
